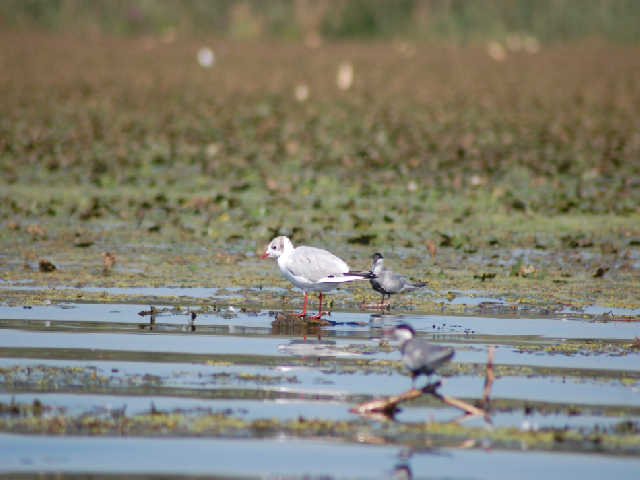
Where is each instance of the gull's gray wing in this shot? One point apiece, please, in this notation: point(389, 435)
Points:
point(315, 264)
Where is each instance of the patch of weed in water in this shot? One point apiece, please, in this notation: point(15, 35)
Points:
point(621, 438)
point(588, 348)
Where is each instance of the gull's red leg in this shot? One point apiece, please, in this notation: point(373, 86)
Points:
point(319, 315)
point(304, 308)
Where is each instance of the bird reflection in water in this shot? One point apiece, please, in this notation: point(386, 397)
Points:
point(191, 325)
point(402, 471)
point(316, 348)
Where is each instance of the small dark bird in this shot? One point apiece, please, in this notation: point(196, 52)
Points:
point(420, 356)
point(388, 282)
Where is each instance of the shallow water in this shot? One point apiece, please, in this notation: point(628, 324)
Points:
point(173, 292)
point(285, 458)
point(94, 360)
point(555, 328)
point(222, 341)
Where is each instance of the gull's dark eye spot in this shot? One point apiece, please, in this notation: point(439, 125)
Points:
point(273, 248)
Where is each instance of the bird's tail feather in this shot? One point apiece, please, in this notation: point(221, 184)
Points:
point(348, 277)
point(365, 274)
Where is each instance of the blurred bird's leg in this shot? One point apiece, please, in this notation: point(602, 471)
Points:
point(304, 308)
point(414, 377)
point(382, 303)
point(428, 381)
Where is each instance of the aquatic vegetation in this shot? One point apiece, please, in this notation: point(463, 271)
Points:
point(30, 418)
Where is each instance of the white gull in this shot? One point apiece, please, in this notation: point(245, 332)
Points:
point(311, 269)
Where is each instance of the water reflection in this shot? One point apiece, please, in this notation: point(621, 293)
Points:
point(151, 324)
point(402, 471)
point(317, 348)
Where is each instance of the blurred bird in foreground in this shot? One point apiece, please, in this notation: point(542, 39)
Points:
point(420, 356)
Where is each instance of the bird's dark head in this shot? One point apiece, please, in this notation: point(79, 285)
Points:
point(378, 264)
point(404, 332)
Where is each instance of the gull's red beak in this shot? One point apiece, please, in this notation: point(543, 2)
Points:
point(263, 256)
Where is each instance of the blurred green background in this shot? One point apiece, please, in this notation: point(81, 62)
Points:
point(466, 21)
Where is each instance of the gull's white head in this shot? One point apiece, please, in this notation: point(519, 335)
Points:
point(277, 247)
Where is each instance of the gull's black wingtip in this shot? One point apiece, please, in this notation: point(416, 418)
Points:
point(366, 274)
